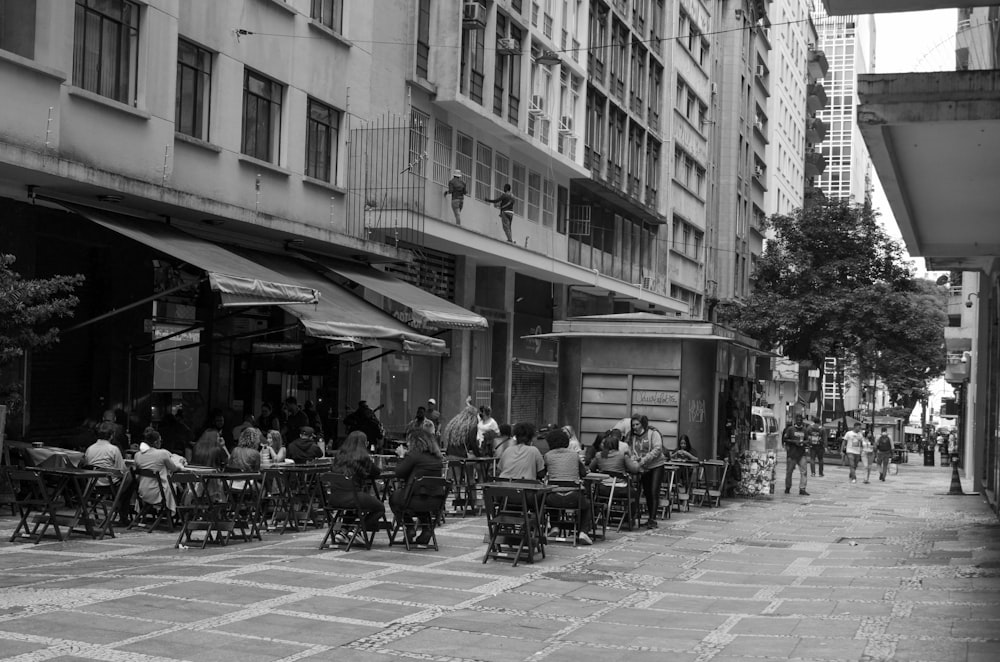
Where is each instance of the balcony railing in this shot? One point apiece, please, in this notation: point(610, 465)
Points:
point(588, 254)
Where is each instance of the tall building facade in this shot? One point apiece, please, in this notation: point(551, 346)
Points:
point(849, 44)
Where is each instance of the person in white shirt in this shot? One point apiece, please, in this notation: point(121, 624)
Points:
point(486, 422)
point(852, 447)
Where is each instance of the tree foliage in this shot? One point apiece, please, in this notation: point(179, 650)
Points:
point(832, 283)
point(27, 307)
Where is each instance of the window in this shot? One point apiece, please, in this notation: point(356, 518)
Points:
point(484, 171)
point(423, 37)
point(517, 188)
point(329, 13)
point(105, 48)
point(548, 203)
point(442, 152)
point(261, 116)
point(194, 87)
point(501, 172)
point(322, 131)
point(463, 157)
point(418, 142)
point(17, 27)
point(534, 195)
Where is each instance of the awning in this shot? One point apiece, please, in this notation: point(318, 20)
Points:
point(426, 308)
point(342, 316)
point(531, 365)
point(238, 280)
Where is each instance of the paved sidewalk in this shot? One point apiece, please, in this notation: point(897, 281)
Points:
point(886, 571)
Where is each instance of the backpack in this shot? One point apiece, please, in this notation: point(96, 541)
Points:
point(884, 444)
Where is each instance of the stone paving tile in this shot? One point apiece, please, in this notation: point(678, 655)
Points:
point(756, 645)
point(297, 629)
point(829, 649)
point(661, 618)
point(930, 650)
point(505, 624)
point(661, 638)
point(70, 626)
point(468, 645)
point(832, 628)
point(576, 653)
point(765, 625)
point(221, 647)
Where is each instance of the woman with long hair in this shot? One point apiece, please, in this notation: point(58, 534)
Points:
point(245, 457)
point(684, 450)
point(647, 446)
point(272, 450)
point(209, 451)
point(423, 459)
point(354, 460)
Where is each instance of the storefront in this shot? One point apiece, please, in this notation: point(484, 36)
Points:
point(688, 377)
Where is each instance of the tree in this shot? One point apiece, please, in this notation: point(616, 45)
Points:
point(832, 283)
point(28, 305)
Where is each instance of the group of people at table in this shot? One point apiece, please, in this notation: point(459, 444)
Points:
point(631, 447)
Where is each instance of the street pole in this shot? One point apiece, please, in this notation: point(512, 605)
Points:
point(874, 396)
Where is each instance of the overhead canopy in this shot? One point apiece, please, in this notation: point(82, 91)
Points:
point(341, 315)
point(239, 281)
point(426, 308)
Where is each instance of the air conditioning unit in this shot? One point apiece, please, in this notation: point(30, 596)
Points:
point(566, 124)
point(647, 283)
point(758, 171)
point(508, 46)
point(761, 70)
point(759, 124)
point(473, 16)
point(537, 105)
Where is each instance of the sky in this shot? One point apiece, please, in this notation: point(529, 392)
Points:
point(912, 41)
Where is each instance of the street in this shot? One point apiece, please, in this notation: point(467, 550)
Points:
point(884, 571)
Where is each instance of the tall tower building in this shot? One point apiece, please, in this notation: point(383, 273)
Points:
point(849, 44)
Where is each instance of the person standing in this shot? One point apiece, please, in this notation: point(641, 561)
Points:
point(647, 446)
point(456, 189)
point(883, 453)
point(817, 448)
point(794, 439)
point(505, 203)
point(851, 447)
point(485, 423)
point(433, 414)
point(295, 419)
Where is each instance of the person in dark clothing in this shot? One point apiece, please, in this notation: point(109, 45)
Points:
point(295, 419)
point(175, 436)
point(505, 203)
point(364, 419)
point(304, 448)
point(423, 459)
point(456, 189)
point(796, 446)
point(352, 459)
point(268, 419)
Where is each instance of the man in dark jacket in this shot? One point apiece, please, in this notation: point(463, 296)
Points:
point(794, 439)
point(456, 189)
point(304, 448)
point(505, 203)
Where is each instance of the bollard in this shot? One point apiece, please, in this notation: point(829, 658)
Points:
point(956, 483)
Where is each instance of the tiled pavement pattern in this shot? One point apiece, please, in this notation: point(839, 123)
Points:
point(886, 571)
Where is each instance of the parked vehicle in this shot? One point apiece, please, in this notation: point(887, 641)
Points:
point(764, 433)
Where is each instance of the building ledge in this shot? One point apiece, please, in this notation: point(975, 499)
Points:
point(331, 34)
point(31, 65)
point(197, 142)
point(264, 165)
point(81, 93)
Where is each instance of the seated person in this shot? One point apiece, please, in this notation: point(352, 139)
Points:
point(245, 458)
point(423, 459)
point(305, 448)
point(104, 454)
point(272, 449)
point(522, 460)
point(153, 458)
point(684, 450)
point(209, 450)
point(504, 441)
point(563, 464)
point(352, 459)
point(613, 459)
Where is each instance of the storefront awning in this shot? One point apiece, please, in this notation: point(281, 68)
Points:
point(531, 365)
point(238, 280)
point(342, 316)
point(426, 308)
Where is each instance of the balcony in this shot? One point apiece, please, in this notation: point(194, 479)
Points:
point(815, 131)
point(815, 164)
point(816, 99)
point(818, 65)
point(843, 7)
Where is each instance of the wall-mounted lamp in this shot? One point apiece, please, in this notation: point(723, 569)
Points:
point(968, 300)
point(549, 59)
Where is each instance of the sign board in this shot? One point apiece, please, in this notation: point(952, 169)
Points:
point(175, 369)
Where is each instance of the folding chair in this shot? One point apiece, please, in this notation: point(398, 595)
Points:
point(34, 502)
point(238, 507)
point(425, 500)
point(159, 509)
point(714, 479)
point(565, 518)
point(514, 517)
point(193, 506)
point(623, 500)
point(105, 500)
point(460, 473)
point(667, 491)
point(345, 523)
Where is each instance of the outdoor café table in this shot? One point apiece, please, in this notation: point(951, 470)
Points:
point(235, 504)
point(48, 456)
point(72, 486)
point(511, 523)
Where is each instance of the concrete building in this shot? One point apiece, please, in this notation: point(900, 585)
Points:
point(849, 45)
point(933, 140)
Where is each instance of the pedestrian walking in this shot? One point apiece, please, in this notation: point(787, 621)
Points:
point(794, 439)
point(505, 203)
point(456, 189)
point(867, 455)
point(883, 453)
point(851, 449)
point(817, 448)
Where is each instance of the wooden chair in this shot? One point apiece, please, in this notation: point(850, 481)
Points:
point(714, 481)
point(668, 491)
point(106, 500)
point(159, 509)
point(33, 503)
point(514, 517)
point(566, 519)
point(194, 508)
point(345, 523)
point(623, 501)
point(425, 500)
